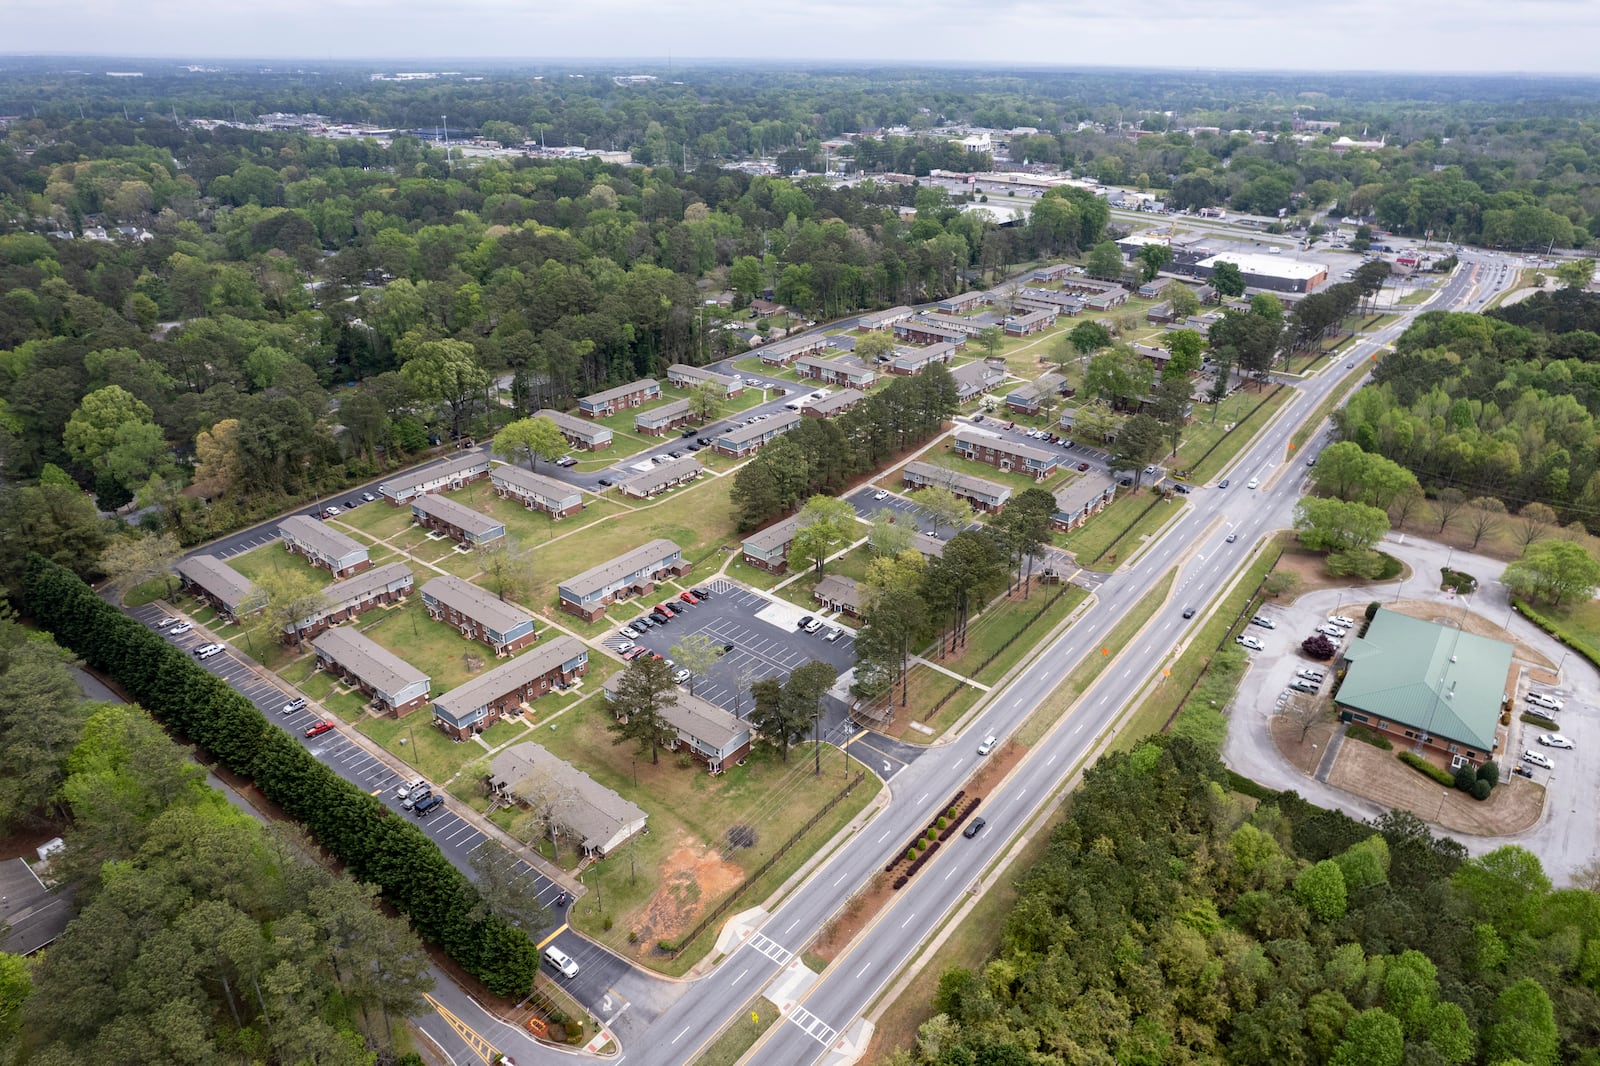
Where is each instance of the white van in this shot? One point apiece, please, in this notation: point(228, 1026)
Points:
point(561, 961)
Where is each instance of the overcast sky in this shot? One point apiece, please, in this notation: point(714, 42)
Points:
point(1540, 36)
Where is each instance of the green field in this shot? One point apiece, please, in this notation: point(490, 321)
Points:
point(1110, 536)
point(1232, 442)
point(1001, 622)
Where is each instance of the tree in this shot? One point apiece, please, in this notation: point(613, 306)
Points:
point(1227, 279)
point(872, 345)
point(42, 715)
point(991, 339)
point(1448, 504)
point(1140, 440)
point(1339, 525)
point(537, 438)
point(1024, 528)
point(1267, 306)
point(805, 688)
point(293, 599)
point(1183, 299)
point(1321, 888)
point(511, 566)
point(1534, 523)
point(1486, 516)
point(696, 653)
point(130, 561)
point(1305, 711)
point(446, 372)
point(825, 525)
point(785, 711)
point(1371, 1038)
point(218, 464)
point(943, 506)
point(1523, 1026)
point(1153, 259)
point(1554, 570)
point(972, 566)
point(706, 400)
point(1089, 336)
point(1187, 348)
point(1251, 339)
point(1171, 408)
point(888, 535)
point(644, 692)
point(102, 416)
point(1120, 376)
point(501, 891)
point(1104, 261)
point(1575, 273)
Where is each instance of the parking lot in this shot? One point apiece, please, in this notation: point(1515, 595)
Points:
point(767, 642)
point(456, 837)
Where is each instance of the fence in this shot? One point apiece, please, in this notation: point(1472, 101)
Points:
point(716, 913)
point(1249, 608)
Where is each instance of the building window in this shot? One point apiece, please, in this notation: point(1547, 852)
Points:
point(1358, 718)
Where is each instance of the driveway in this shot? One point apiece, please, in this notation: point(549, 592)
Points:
point(1567, 835)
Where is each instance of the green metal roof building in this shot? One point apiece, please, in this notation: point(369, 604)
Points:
point(1424, 681)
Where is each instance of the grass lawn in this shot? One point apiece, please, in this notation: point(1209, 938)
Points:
point(943, 456)
point(1225, 620)
point(526, 526)
point(1084, 674)
point(380, 520)
point(927, 687)
point(150, 591)
point(752, 364)
point(1334, 398)
point(988, 633)
point(753, 1019)
point(416, 742)
point(853, 564)
point(274, 558)
point(437, 649)
point(683, 865)
point(1118, 528)
point(1204, 469)
point(696, 518)
point(1581, 621)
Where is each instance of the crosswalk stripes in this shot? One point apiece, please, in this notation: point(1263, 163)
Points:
point(812, 1026)
point(771, 949)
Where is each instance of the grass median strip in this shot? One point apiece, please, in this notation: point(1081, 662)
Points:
point(756, 1018)
point(1084, 674)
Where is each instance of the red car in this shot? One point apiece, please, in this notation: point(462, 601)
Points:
point(688, 597)
point(634, 653)
point(1083, 466)
point(319, 727)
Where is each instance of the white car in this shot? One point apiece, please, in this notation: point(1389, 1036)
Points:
point(630, 633)
point(988, 744)
point(1341, 620)
point(1538, 760)
point(1307, 674)
point(1247, 641)
point(1555, 740)
point(1254, 483)
point(815, 625)
point(180, 629)
point(168, 623)
point(680, 676)
point(626, 645)
point(1333, 632)
point(206, 651)
point(881, 494)
point(1549, 703)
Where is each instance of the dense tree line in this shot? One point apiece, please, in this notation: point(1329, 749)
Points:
point(373, 844)
point(1498, 407)
point(1172, 921)
point(821, 455)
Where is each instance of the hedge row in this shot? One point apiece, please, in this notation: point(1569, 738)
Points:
point(373, 843)
point(1418, 763)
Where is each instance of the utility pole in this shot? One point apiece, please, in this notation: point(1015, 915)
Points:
point(817, 746)
point(444, 129)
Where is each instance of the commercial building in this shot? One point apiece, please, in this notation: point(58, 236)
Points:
point(324, 547)
point(740, 441)
point(768, 548)
point(461, 524)
point(536, 492)
point(684, 376)
point(913, 361)
point(394, 685)
point(975, 379)
point(479, 615)
point(836, 592)
point(840, 370)
point(355, 596)
point(633, 573)
point(706, 732)
point(1428, 686)
point(835, 403)
point(982, 494)
point(445, 476)
point(220, 585)
point(657, 421)
point(1276, 272)
point(619, 398)
point(581, 808)
point(1005, 454)
point(661, 477)
point(476, 705)
point(580, 434)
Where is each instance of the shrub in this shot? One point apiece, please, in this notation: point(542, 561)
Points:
point(1490, 772)
point(1457, 581)
point(943, 822)
point(633, 936)
point(1465, 777)
point(1538, 720)
point(605, 923)
point(667, 946)
point(1481, 789)
point(1319, 647)
point(1421, 765)
point(933, 834)
point(911, 854)
point(1356, 731)
point(951, 813)
point(1372, 610)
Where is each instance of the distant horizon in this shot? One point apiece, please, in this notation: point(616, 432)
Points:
point(651, 63)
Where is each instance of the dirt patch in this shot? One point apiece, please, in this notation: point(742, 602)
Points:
point(1313, 574)
point(1514, 805)
point(861, 908)
point(1450, 614)
point(691, 876)
point(1306, 754)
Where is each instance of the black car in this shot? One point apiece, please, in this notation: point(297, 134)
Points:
point(704, 594)
point(726, 648)
point(350, 504)
point(688, 432)
point(804, 621)
point(605, 483)
point(696, 447)
point(661, 617)
point(702, 441)
point(1188, 612)
point(973, 828)
point(673, 607)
